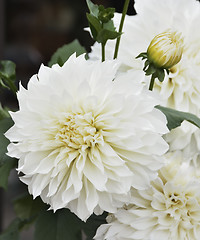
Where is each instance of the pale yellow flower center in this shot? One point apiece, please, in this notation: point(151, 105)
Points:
point(79, 131)
point(174, 201)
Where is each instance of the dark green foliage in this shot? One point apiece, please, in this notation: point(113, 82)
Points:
point(6, 163)
point(63, 53)
point(61, 225)
point(175, 118)
point(101, 23)
point(7, 75)
point(3, 112)
point(26, 208)
point(64, 225)
point(12, 232)
point(151, 69)
point(105, 14)
point(92, 224)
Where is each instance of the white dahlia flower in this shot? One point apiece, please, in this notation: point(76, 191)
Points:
point(82, 139)
point(168, 210)
point(181, 88)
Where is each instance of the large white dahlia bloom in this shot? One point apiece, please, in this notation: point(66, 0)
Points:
point(181, 88)
point(82, 139)
point(169, 209)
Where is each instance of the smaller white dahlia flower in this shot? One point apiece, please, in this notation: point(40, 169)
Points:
point(83, 139)
point(169, 209)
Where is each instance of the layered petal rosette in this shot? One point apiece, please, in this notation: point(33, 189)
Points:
point(169, 209)
point(84, 136)
point(181, 88)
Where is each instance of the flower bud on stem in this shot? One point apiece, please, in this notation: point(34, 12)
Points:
point(164, 52)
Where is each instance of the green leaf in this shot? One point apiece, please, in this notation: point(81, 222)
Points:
point(175, 118)
point(5, 124)
point(8, 69)
point(64, 225)
point(146, 64)
point(4, 112)
point(160, 74)
point(142, 55)
point(105, 14)
point(26, 208)
point(94, 9)
point(12, 232)
point(7, 75)
point(63, 53)
point(102, 32)
point(6, 163)
point(2, 84)
point(109, 26)
point(101, 26)
point(150, 70)
point(105, 35)
point(92, 224)
point(94, 24)
point(5, 169)
point(61, 225)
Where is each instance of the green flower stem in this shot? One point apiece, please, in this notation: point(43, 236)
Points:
point(151, 82)
point(103, 51)
point(126, 4)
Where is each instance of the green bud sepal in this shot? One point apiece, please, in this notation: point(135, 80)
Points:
point(151, 69)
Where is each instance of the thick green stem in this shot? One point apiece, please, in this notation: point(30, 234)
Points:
point(126, 4)
point(103, 51)
point(151, 83)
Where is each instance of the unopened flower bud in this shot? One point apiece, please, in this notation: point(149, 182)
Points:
point(165, 50)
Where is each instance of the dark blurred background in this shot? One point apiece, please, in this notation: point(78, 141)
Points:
point(30, 32)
